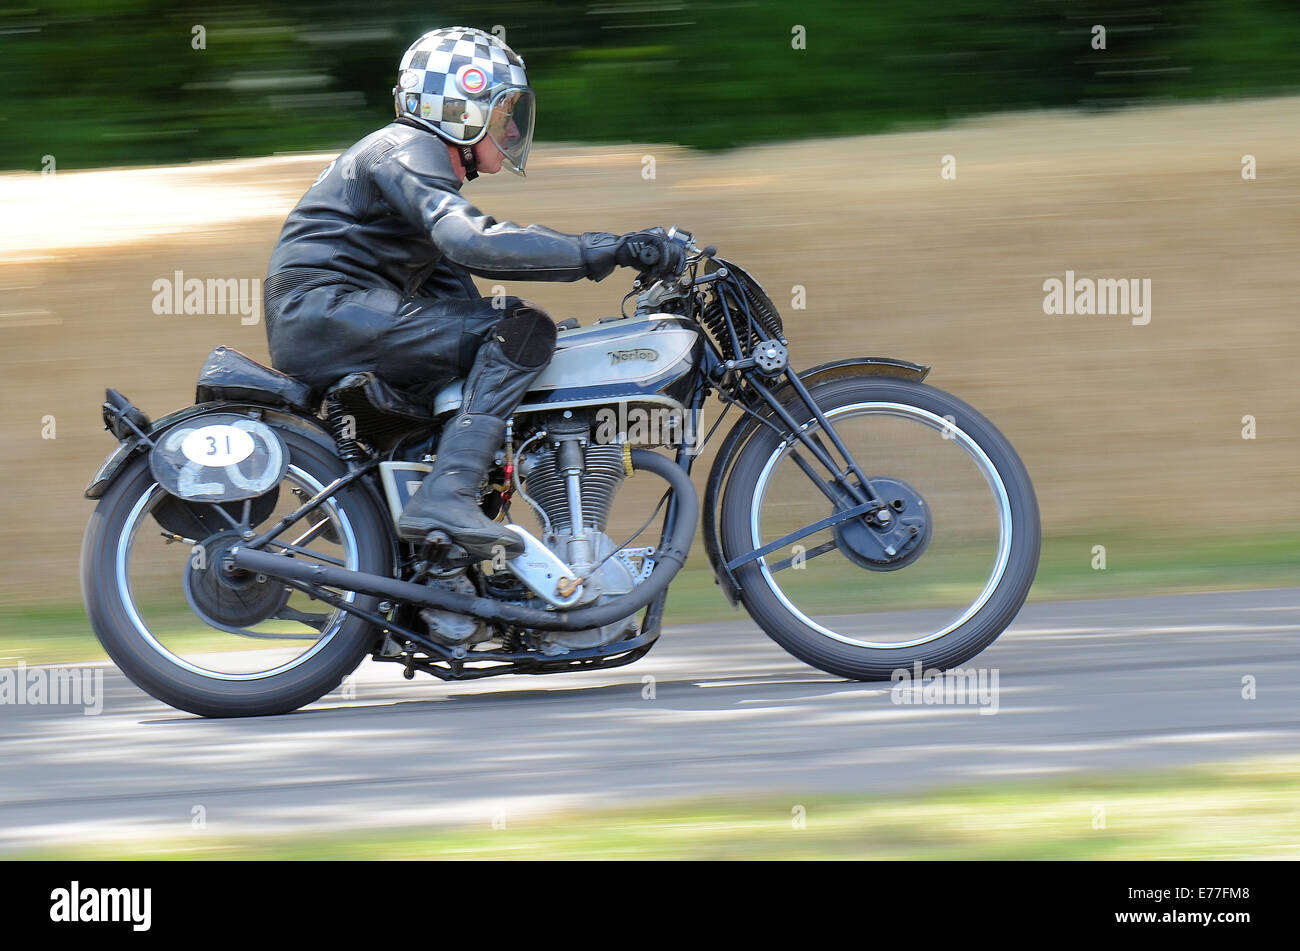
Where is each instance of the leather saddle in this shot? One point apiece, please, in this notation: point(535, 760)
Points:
point(383, 415)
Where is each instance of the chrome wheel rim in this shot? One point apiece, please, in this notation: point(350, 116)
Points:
point(950, 431)
point(131, 528)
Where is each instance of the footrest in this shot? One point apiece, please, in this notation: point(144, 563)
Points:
point(442, 551)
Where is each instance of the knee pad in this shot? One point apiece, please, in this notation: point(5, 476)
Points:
point(526, 334)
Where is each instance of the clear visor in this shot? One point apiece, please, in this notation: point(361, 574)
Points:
point(510, 126)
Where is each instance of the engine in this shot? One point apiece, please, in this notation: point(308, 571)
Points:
point(571, 484)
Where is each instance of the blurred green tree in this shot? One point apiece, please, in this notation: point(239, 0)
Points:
point(113, 82)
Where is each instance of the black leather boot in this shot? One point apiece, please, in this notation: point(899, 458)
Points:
point(505, 366)
point(448, 498)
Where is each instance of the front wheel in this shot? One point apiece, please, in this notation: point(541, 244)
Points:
point(932, 571)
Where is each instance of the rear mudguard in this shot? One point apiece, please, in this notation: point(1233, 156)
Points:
point(129, 447)
point(306, 426)
point(745, 427)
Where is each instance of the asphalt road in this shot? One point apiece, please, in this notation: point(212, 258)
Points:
point(1084, 686)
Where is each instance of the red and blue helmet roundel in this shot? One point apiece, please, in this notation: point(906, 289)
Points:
point(471, 80)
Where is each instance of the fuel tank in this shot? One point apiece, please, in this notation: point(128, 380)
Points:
point(640, 361)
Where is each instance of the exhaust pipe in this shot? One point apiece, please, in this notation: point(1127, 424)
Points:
point(670, 558)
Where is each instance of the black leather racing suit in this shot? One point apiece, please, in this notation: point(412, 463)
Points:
point(372, 272)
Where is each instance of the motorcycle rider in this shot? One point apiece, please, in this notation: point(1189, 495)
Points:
point(372, 268)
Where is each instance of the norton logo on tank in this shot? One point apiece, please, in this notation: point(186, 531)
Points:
point(640, 353)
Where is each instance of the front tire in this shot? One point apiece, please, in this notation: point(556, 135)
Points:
point(184, 682)
point(819, 643)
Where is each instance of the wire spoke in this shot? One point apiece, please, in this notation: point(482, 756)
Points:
point(808, 555)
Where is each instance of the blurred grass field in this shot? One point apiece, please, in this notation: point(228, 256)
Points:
point(1245, 810)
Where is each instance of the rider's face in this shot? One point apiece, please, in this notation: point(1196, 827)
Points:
point(512, 133)
point(487, 152)
point(488, 155)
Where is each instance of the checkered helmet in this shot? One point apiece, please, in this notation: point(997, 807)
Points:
point(464, 84)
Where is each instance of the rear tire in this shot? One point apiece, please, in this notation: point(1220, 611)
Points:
point(852, 661)
point(166, 679)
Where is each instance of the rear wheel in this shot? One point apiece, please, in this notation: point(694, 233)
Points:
point(932, 576)
point(220, 646)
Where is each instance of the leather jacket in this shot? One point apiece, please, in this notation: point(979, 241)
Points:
point(388, 214)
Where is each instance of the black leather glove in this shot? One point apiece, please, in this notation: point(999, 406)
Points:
point(650, 252)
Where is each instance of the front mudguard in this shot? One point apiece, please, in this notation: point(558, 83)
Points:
point(747, 425)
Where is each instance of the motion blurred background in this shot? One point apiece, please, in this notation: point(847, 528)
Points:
point(808, 142)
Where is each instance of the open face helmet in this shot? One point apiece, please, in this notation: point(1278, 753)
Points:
point(464, 84)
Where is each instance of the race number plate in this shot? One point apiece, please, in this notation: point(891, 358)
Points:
point(219, 457)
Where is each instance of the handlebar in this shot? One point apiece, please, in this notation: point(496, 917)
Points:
point(649, 257)
point(652, 289)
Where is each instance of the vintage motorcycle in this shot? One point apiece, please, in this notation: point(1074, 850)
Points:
point(243, 558)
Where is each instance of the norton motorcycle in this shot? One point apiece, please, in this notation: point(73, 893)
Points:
point(243, 559)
